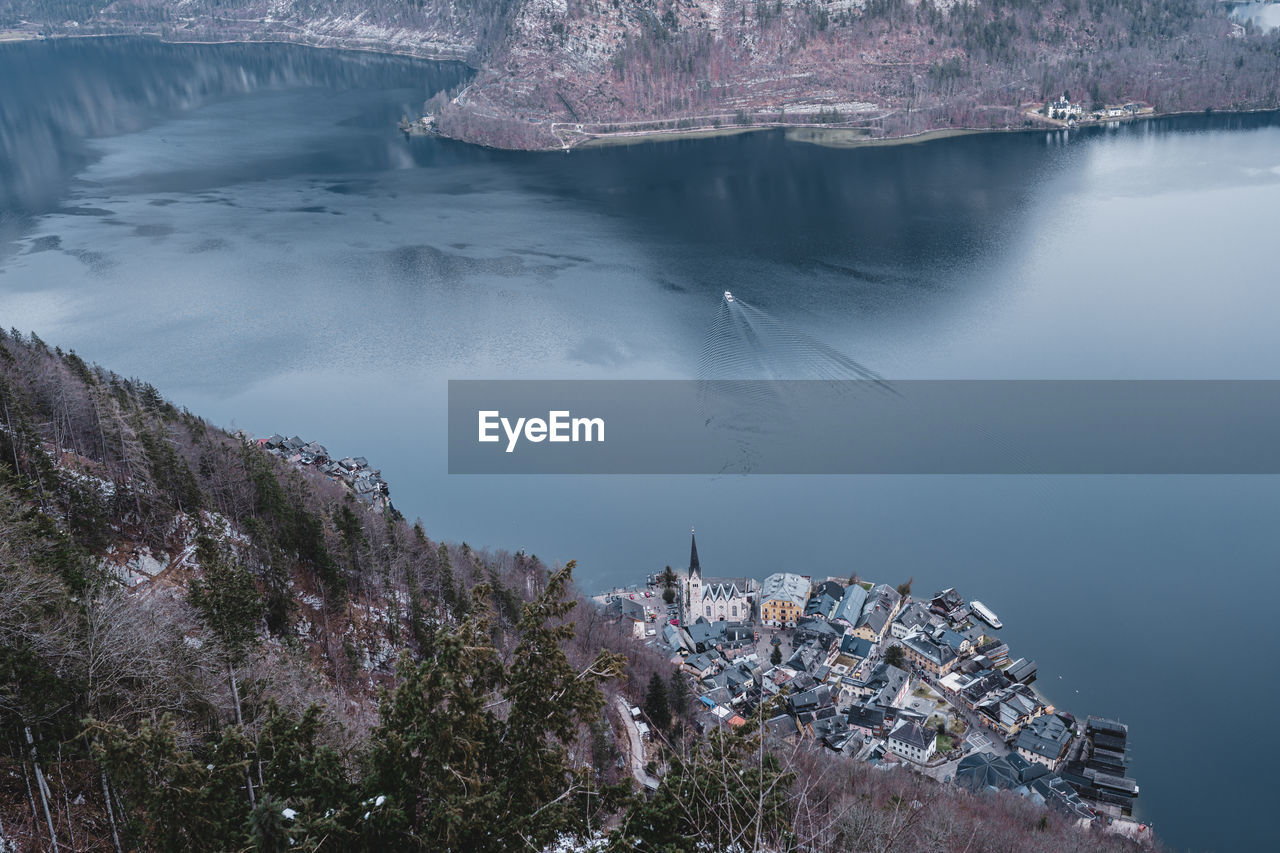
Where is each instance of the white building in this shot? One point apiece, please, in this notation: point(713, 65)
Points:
point(1063, 109)
point(912, 741)
point(716, 599)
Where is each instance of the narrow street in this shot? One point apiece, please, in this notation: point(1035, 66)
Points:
point(636, 746)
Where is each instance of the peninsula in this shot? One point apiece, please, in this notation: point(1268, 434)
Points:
point(865, 670)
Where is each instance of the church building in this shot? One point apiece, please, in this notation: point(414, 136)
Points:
point(716, 599)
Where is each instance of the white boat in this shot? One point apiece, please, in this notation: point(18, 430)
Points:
point(985, 614)
point(728, 297)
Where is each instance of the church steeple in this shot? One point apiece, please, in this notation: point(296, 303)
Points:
point(694, 568)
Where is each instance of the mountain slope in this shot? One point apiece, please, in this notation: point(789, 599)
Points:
point(555, 73)
point(205, 648)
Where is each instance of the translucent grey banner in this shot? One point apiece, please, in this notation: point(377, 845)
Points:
point(863, 427)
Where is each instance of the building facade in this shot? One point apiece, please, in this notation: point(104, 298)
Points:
point(913, 742)
point(782, 599)
point(716, 599)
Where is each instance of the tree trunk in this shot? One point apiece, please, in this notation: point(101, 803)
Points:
point(235, 696)
point(35, 815)
point(42, 786)
point(111, 814)
point(66, 800)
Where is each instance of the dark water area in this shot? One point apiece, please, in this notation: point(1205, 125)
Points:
point(60, 93)
point(244, 227)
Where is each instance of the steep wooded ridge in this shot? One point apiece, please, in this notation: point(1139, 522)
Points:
point(205, 648)
point(554, 73)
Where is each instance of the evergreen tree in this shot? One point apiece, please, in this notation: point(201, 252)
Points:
point(775, 656)
point(227, 600)
point(269, 826)
point(458, 776)
point(175, 800)
point(657, 707)
point(550, 698)
point(895, 656)
point(448, 591)
point(229, 605)
point(667, 578)
point(679, 694)
point(728, 793)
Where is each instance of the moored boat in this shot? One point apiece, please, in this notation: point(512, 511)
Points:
point(985, 614)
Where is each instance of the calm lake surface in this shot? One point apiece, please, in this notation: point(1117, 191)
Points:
point(244, 227)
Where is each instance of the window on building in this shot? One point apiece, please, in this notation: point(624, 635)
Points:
point(735, 610)
point(708, 609)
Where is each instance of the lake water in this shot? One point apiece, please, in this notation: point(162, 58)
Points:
point(1265, 15)
point(244, 227)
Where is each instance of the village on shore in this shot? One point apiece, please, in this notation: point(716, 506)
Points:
point(1067, 113)
point(364, 482)
point(867, 670)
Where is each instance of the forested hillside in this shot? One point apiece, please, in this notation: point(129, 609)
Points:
point(555, 73)
point(203, 648)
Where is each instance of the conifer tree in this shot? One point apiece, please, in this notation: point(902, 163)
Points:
point(657, 707)
point(229, 605)
point(728, 793)
point(458, 776)
point(679, 694)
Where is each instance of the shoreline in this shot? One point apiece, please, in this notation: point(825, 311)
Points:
point(808, 133)
point(826, 137)
point(852, 137)
point(606, 140)
point(23, 36)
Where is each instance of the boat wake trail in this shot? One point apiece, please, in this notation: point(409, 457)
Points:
point(747, 358)
point(745, 342)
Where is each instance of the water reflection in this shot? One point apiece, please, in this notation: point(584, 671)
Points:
point(59, 93)
point(1266, 16)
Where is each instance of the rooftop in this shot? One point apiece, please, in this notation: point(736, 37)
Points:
point(785, 586)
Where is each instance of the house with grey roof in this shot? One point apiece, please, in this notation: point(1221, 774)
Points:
point(912, 741)
point(879, 610)
point(849, 608)
point(782, 727)
point(1022, 670)
point(985, 771)
point(815, 630)
point(982, 684)
point(782, 598)
point(856, 647)
point(886, 686)
point(830, 587)
point(820, 604)
point(868, 719)
point(700, 665)
point(1045, 740)
point(929, 654)
point(947, 603)
point(1008, 710)
point(915, 616)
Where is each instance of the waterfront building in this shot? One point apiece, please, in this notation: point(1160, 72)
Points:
point(1044, 740)
point(716, 599)
point(782, 599)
